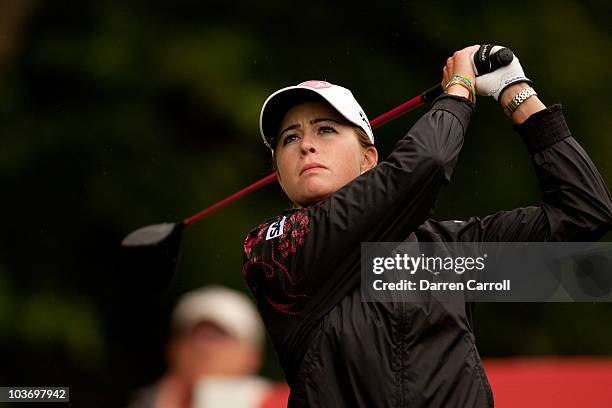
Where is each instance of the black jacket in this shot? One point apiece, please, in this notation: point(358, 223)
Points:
point(303, 268)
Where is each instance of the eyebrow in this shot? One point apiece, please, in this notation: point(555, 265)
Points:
point(312, 122)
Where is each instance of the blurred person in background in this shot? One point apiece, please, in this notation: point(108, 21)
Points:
point(214, 352)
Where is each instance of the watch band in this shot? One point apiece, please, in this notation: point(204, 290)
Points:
point(518, 99)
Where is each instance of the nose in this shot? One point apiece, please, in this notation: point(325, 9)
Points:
point(307, 144)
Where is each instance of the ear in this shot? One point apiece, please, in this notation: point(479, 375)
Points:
point(370, 158)
point(173, 352)
point(253, 361)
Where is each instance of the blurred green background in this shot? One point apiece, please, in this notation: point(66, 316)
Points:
point(115, 115)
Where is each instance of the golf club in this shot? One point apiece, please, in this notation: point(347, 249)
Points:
point(152, 235)
point(159, 243)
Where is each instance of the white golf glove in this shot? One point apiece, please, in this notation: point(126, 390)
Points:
point(493, 83)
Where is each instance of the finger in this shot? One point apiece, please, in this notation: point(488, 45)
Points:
point(450, 65)
point(472, 48)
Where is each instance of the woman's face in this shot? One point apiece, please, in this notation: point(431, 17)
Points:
point(318, 152)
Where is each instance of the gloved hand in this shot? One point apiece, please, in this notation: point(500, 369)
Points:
point(493, 83)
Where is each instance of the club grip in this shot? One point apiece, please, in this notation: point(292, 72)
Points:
point(485, 62)
point(431, 93)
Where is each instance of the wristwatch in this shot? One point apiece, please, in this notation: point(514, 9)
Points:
point(518, 99)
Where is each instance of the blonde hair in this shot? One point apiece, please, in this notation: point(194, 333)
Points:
point(364, 139)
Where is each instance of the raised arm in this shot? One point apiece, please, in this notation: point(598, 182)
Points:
point(576, 205)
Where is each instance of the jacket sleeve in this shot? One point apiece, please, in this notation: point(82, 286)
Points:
point(308, 259)
point(575, 206)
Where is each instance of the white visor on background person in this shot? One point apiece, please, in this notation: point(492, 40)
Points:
point(340, 98)
point(230, 310)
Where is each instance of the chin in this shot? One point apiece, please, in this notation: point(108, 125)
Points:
point(316, 194)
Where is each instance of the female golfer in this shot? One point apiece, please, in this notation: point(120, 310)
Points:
point(303, 267)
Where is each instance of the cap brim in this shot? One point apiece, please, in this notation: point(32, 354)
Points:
point(277, 106)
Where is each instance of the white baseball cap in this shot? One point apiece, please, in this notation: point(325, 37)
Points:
point(277, 104)
point(228, 309)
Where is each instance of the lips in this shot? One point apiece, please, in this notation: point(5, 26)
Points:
point(311, 166)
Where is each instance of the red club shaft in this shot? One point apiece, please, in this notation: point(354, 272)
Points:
point(239, 194)
point(377, 122)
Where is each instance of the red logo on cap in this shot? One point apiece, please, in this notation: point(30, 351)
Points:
point(316, 84)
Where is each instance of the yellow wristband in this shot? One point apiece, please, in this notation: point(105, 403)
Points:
point(464, 82)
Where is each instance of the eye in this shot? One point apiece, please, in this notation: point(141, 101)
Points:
point(327, 129)
point(289, 138)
